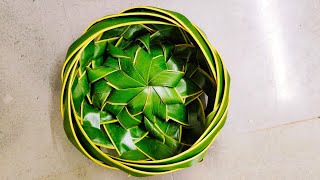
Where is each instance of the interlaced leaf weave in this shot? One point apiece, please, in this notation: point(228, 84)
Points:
point(144, 91)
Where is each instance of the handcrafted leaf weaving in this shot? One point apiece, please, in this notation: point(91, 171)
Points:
point(144, 91)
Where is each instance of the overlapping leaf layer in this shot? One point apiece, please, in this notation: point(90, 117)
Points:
point(143, 92)
point(137, 87)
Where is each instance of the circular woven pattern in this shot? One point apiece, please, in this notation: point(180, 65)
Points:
point(144, 91)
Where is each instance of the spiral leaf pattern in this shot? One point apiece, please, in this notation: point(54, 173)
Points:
point(144, 91)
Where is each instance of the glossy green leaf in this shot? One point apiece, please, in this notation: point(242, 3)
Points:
point(112, 108)
point(166, 78)
point(168, 132)
point(136, 104)
point(158, 64)
point(187, 87)
point(167, 33)
point(106, 117)
point(156, 38)
point(153, 129)
point(123, 43)
point(126, 119)
point(193, 97)
point(97, 136)
point(142, 62)
point(139, 116)
point(79, 91)
point(90, 116)
point(101, 86)
point(148, 108)
point(99, 49)
point(86, 56)
point(134, 155)
point(126, 66)
point(115, 51)
point(178, 113)
point(97, 62)
point(203, 80)
point(134, 31)
point(131, 50)
point(99, 99)
point(167, 50)
point(169, 128)
point(145, 40)
point(113, 32)
point(123, 139)
point(84, 83)
point(98, 73)
point(173, 144)
point(123, 96)
point(158, 105)
point(176, 63)
point(112, 62)
point(154, 149)
point(121, 80)
point(168, 95)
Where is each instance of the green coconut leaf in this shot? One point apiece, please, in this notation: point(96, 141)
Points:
point(167, 78)
point(79, 91)
point(159, 107)
point(90, 116)
point(98, 73)
point(123, 139)
point(176, 63)
point(100, 93)
point(113, 32)
point(142, 62)
point(112, 62)
point(187, 88)
point(167, 50)
point(126, 119)
point(134, 155)
point(97, 62)
point(112, 108)
point(98, 137)
point(168, 95)
point(86, 56)
point(154, 149)
point(178, 113)
point(145, 40)
point(169, 128)
point(123, 96)
point(134, 31)
point(127, 67)
point(136, 104)
point(158, 65)
point(121, 80)
point(154, 130)
point(99, 49)
point(115, 51)
point(106, 117)
point(147, 85)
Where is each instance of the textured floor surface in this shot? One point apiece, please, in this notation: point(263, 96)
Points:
point(271, 49)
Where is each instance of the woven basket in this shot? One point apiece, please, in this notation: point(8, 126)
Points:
point(144, 92)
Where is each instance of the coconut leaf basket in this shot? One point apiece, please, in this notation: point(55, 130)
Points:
point(144, 91)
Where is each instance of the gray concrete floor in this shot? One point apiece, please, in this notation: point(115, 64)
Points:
point(270, 47)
